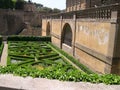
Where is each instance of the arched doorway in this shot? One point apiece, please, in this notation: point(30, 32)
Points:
point(67, 35)
point(48, 29)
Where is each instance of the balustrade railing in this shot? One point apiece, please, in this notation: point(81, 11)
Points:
point(103, 12)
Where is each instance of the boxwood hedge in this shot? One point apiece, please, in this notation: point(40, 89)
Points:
point(29, 38)
point(81, 66)
point(0, 40)
point(1, 46)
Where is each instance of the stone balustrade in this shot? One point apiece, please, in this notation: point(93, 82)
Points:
point(103, 12)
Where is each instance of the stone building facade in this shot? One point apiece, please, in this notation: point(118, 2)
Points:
point(73, 5)
point(91, 35)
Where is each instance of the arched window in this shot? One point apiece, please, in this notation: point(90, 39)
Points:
point(48, 29)
point(67, 35)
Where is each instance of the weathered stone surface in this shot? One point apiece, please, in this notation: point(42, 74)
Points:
point(95, 43)
point(13, 22)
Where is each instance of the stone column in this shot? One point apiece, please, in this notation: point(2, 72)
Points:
point(67, 5)
point(114, 43)
point(79, 4)
point(61, 19)
point(71, 5)
point(75, 5)
point(73, 43)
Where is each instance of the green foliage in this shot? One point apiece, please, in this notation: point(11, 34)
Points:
point(1, 46)
point(29, 38)
point(0, 40)
point(6, 4)
point(60, 72)
point(49, 67)
point(49, 10)
point(55, 10)
point(19, 4)
point(11, 4)
point(81, 66)
point(32, 53)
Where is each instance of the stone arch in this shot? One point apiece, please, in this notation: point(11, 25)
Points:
point(48, 33)
point(67, 35)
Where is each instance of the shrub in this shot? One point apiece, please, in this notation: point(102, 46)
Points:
point(29, 38)
point(0, 40)
point(60, 72)
point(1, 48)
point(81, 66)
point(1, 45)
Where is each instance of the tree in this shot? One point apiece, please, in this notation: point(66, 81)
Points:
point(55, 10)
point(6, 4)
point(9, 4)
point(19, 4)
point(48, 10)
point(1, 3)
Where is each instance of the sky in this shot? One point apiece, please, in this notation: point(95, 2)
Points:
point(60, 4)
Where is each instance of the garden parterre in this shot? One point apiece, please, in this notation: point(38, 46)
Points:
point(37, 54)
point(39, 59)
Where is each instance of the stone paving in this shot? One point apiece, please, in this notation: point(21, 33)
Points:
point(29, 83)
point(4, 54)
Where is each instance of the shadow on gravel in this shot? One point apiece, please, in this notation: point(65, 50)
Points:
point(6, 88)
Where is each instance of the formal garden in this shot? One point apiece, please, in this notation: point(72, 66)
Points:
point(39, 58)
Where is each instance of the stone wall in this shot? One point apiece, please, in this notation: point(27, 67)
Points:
point(92, 45)
point(73, 5)
point(44, 27)
point(95, 42)
point(28, 31)
point(12, 22)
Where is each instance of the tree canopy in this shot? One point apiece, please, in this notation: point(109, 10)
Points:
point(19, 4)
point(49, 10)
point(6, 4)
point(10, 4)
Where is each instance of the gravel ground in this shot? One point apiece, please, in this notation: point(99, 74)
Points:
point(19, 83)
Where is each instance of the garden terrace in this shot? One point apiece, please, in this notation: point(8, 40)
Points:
point(29, 38)
point(43, 59)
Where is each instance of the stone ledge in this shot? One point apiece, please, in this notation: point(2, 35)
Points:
point(103, 58)
point(56, 36)
point(94, 20)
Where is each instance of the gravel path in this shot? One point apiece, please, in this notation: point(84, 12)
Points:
point(29, 83)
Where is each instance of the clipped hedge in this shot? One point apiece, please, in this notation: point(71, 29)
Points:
point(31, 50)
point(81, 66)
point(1, 45)
point(29, 38)
point(0, 40)
point(1, 48)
